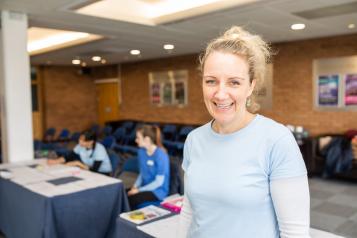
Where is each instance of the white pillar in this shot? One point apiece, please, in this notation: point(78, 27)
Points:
point(15, 89)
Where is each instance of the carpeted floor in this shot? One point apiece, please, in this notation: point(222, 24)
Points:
point(334, 206)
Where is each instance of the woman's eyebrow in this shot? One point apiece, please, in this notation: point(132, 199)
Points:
point(239, 78)
point(208, 76)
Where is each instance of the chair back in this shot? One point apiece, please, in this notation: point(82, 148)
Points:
point(115, 160)
point(64, 134)
point(75, 136)
point(130, 165)
point(176, 183)
point(108, 142)
point(169, 132)
point(107, 130)
point(49, 134)
point(183, 133)
point(119, 134)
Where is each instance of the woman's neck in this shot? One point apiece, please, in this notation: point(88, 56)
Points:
point(150, 149)
point(233, 127)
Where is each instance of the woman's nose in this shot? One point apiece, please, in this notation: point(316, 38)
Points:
point(221, 92)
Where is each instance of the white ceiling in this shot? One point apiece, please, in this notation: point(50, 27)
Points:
point(269, 18)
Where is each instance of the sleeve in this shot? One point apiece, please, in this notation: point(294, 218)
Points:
point(285, 159)
point(185, 218)
point(96, 165)
point(138, 181)
point(159, 181)
point(100, 153)
point(162, 163)
point(77, 149)
point(186, 153)
point(291, 201)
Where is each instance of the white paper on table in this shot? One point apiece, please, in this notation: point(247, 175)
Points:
point(35, 178)
point(162, 228)
point(61, 170)
point(22, 163)
point(92, 180)
point(314, 233)
point(50, 190)
point(6, 174)
point(25, 175)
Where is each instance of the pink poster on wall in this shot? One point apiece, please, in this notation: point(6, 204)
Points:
point(351, 90)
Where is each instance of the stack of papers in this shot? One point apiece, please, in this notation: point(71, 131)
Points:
point(144, 214)
point(6, 174)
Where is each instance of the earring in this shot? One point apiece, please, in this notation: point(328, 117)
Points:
point(248, 102)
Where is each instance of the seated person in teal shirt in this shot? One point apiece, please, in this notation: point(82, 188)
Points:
point(88, 154)
point(152, 183)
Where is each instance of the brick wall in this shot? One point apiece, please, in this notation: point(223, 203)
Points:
point(69, 98)
point(136, 101)
point(292, 87)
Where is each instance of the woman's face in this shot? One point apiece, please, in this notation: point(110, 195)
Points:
point(226, 87)
point(84, 143)
point(141, 140)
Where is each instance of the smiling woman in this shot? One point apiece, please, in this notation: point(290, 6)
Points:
point(226, 87)
point(244, 173)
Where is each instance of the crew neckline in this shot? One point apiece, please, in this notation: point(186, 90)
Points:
point(240, 131)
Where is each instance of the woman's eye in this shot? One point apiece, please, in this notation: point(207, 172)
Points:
point(210, 82)
point(235, 83)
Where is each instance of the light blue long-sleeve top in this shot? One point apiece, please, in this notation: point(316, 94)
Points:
point(228, 176)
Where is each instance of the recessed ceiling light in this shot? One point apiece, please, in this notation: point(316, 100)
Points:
point(103, 61)
point(351, 26)
point(298, 26)
point(76, 61)
point(135, 52)
point(96, 58)
point(169, 47)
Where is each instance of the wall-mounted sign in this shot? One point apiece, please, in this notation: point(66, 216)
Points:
point(168, 87)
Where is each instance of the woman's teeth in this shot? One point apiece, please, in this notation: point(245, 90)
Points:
point(223, 106)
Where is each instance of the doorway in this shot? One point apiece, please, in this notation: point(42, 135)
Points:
point(107, 93)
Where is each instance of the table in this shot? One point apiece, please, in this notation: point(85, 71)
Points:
point(127, 229)
point(37, 200)
point(167, 227)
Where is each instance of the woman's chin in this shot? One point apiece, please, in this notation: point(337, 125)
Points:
point(224, 121)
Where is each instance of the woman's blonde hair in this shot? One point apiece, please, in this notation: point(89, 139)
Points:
point(240, 42)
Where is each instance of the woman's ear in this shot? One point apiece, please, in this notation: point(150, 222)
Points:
point(252, 86)
point(147, 140)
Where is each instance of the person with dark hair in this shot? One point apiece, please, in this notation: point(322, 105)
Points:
point(88, 154)
point(152, 183)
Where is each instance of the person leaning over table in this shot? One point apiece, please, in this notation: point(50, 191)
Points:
point(88, 154)
point(152, 184)
point(244, 173)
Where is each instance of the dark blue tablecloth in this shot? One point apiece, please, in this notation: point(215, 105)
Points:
point(88, 213)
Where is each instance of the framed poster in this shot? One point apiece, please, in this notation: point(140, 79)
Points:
point(350, 90)
point(328, 87)
point(168, 87)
